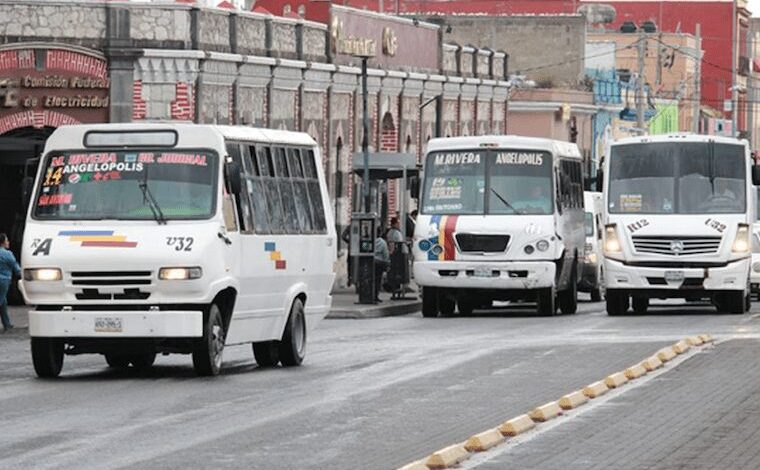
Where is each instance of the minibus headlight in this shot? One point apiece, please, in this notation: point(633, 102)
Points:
point(529, 249)
point(42, 274)
point(179, 274)
point(591, 258)
point(611, 242)
point(741, 242)
point(542, 245)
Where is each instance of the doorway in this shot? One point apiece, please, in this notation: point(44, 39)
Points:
point(20, 150)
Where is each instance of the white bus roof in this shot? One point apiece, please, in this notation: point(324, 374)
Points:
point(565, 149)
point(677, 137)
point(189, 135)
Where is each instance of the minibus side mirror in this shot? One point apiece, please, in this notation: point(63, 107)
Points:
point(599, 180)
point(234, 177)
point(756, 175)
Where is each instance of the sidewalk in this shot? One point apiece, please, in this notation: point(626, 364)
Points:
point(344, 305)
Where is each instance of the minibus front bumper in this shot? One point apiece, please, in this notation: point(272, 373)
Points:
point(709, 278)
point(516, 275)
point(116, 324)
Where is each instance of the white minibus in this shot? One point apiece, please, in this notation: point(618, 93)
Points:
point(176, 238)
point(678, 214)
point(501, 218)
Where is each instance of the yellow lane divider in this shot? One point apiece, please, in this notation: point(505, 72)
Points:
point(453, 455)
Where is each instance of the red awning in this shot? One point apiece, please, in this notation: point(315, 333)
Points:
point(226, 5)
point(261, 10)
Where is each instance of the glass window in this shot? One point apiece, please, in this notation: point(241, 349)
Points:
point(96, 185)
point(315, 197)
point(294, 163)
point(589, 224)
point(455, 183)
point(520, 183)
point(274, 206)
point(677, 178)
point(280, 163)
point(309, 164)
point(289, 205)
point(242, 203)
point(303, 206)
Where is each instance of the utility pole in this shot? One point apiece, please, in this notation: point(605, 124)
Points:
point(640, 100)
point(750, 89)
point(697, 81)
point(734, 64)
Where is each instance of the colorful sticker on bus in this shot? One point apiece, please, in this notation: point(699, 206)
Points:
point(441, 247)
point(98, 238)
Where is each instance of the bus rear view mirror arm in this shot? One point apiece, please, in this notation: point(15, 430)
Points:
point(756, 175)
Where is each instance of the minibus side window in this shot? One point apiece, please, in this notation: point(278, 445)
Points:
point(315, 192)
point(303, 206)
point(242, 202)
point(257, 192)
point(286, 191)
point(274, 202)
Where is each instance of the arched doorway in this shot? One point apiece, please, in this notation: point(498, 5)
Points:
point(20, 150)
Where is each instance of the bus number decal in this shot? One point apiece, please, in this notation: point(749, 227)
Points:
point(180, 243)
point(632, 227)
point(715, 225)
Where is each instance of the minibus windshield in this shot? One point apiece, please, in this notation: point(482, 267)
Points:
point(677, 178)
point(503, 182)
point(97, 185)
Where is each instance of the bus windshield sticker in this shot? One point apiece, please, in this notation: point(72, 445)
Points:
point(446, 188)
point(520, 158)
point(630, 202)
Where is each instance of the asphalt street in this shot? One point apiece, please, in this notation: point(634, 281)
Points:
point(379, 393)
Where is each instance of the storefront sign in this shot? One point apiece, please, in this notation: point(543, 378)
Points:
point(51, 86)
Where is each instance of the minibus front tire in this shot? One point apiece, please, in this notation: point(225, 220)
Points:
point(640, 304)
point(47, 357)
point(207, 354)
point(117, 361)
point(430, 302)
point(568, 298)
point(545, 302)
point(617, 303)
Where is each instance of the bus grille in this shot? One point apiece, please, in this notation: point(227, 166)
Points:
point(110, 278)
point(474, 243)
point(676, 246)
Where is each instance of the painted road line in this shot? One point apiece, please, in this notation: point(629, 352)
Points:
point(484, 440)
point(517, 425)
point(483, 457)
point(572, 400)
point(634, 372)
point(545, 412)
point(616, 380)
point(596, 389)
point(447, 457)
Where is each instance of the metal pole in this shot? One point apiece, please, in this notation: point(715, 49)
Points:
point(365, 140)
point(640, 101)
point(697, 81)
point(750, 106)
point(734, 62)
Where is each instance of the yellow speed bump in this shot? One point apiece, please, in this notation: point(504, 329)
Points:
point(484, 441)
point(666, 354)
point(418, 465)
point(546, 412)
point(572, 400)
point(706, 338)
point(616, 380)
point(694, 340)
point(447, 457)
point(651, 363)
point(596, 389)
point(634, 372)
point(517, 425)
point(681, 347)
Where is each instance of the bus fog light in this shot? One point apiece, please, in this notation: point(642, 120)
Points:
point(591, 258)
point(611, 242)
point(741, 242)
point(179, 274)
point(42, 274)
point(542, 245)
point(529, 249)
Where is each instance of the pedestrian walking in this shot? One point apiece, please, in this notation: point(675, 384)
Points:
point(8, 267)
point(382, 261)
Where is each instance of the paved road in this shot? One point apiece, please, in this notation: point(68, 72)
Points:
point(376, 394)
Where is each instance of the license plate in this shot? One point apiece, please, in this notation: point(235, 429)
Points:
point(482, 271)
point(108, 325)
point(674, 276)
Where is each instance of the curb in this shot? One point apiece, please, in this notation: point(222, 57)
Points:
point(388, 309)
point(451, 456)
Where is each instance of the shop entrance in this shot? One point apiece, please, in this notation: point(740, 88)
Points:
point(20, 150)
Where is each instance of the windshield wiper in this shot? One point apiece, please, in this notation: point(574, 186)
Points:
point(506, 203)
point(148, 197)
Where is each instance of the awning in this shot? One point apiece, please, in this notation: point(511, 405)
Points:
point(387, 165)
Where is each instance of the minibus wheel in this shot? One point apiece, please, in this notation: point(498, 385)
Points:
point(142, 361)
point(47, 357)
point(545, 302)
point(568, 298)
point(617, 303)
point(430, 302)
point(207, 354)
point(117, 361)
point(466, 305)
point(292, 347)
point(640, 304)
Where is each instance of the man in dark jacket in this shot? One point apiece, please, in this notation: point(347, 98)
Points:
point(8, 267)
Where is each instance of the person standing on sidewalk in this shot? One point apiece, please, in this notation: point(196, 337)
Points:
point(8, 267)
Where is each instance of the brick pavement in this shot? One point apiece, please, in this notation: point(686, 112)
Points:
point(704, 414)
